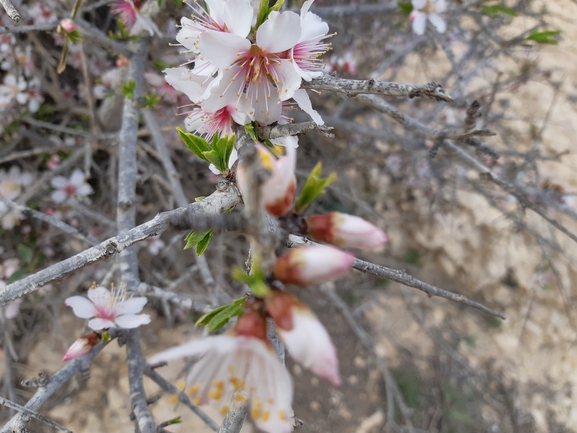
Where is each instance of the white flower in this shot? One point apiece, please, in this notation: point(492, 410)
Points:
point(423, 9)
point(8, 267)
point(155, 244)
point(11, 182)
point(14, 88)
point(76, 186)
point(239, 368)
point(109, 309)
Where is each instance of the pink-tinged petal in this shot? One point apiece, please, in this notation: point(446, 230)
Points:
point(419, 21)
point(130, 321)
point(81, 347)
point(280, 32)
point(440, 6)
point(345, 231)
point(133, 305)
point(77, 178)
point(100, 296)
point(59, 182)
point(312, 26)
point(84, 190)
point(81, 307)
point(188, 34)
point(222, 49)
point(438, 22)
point(183, 80)
point(419, 4)
point(221, 343)
point(304, 102)
point(238, 17)
point(289, 77)
point(58, 196)
point(99, 324)
point(12, 309)
point(312, 264)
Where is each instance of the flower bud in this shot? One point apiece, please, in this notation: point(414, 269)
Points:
point(312, 264)
point(67, 25)
point(304, 336)
point(82, 346)
point(345, 230)
point(251, 324)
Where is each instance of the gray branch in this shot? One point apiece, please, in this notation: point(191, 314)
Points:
point(400, 276)
point(278, 131)
point(355, 9)
point(356, 87)
point(26, 29)
point(33, 414)
point(10, 10)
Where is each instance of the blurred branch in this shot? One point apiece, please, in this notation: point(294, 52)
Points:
point(278, 131)
point(356, 87)
point(10, 10)
point(355, 9)
point(400, 276)
point(33, 414)
point(90, 32)
point(26, 29)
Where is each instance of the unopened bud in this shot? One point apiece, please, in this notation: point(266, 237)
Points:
point(82, 346)
point(312, 264)
point(67, 25)
point(345, 230)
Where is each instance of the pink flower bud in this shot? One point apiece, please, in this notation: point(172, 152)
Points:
point(345, 231)
point(304, 336)
point(312, 264)
point(67, 25)
point(251, 324)
point(81, 347)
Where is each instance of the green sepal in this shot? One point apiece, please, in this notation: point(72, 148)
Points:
point(314, 187)
point(128, 89)
point(106, 336)
point(220, 316)
point(255, 281)
point(544, 37)
point(493, 10)
point(73, 36)
point(200, 240)
point(276, 6)
point(196, 144)
point(250, 129)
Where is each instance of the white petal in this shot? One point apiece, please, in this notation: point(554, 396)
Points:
point(280, 32)
point(133, 305)
point(59, 182)
point(188, 34)
point(130, 321)
point(238, 17)
point(58, 196)
point(222, 343)
point(419, 23)
point(81, 306)
point(183, 80)
point(289, 77)
point(100, 296)
point(222, 49)
point(438, 22)
point(418, 4)
point(77, 178)
point(84, 190)
point(440, 6)
point(98, 324)
point(213, 168)
point(312, 27)
point(304, 102)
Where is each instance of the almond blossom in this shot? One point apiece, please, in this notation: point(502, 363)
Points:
point(312, 264)
point(344, 230)
point(428, 9)
point(81, 347)
point(129, 14)
point(75, 186)
point(239, 367)
point(14, 88)
point(306, 339)
point(109, 309)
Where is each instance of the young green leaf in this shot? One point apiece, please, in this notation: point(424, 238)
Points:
point(128, 89)
point(220, 316)
point(196, 144)
point(25, 252)
point(73, 36)
point(151, 100)
point(313, 188)
point(203, 244)
point(250, 129)
point(200, 240)
point(405, 7)
point(255, 281)
point(544, 37)
point(493, 10)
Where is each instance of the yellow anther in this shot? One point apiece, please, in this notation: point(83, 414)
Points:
point(265, 416)
point(224, 410)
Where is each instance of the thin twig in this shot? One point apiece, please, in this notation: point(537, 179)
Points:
point(156, 292)
point(400, 276)
point(26, 29)
point(277, 131)
point(33, 414)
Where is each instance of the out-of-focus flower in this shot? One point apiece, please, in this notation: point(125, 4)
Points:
point(67, 25)
point(345, 64)
point(14, 88)
point(129, 14)
point(109, 309)
point(42, 14)
point(155, 244)
point(312, 264)
point(278, 191)
point(168, 93)
point(428, 9)
point(82, 346)
point(75, 186)
point(12, 309)
point(8, 267)
point(236, 368)
point(11, 182)
point(305, 337)
point(35, 97)
point(345, 230)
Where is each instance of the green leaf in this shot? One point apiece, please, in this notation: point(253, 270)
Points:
point(493, 10)
point(128, 89)
point(250, 129)
point(196, 144)
point(17, 275)
point(25, 252)
point(277, 6)
point(160, 66)
point(223, 147)
point(405, 7)
point(220, 316)
point(203, 244)
point(178, 419)
point(544, 37)
point(255, 281)
point(263, 11)
point(314, 187)
point(73, 36)
point(151, 100)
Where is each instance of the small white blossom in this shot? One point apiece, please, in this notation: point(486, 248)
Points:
point(75, 186)
point(428, 9)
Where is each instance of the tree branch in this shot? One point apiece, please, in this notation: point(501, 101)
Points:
point(277, 131)
point(10, 10)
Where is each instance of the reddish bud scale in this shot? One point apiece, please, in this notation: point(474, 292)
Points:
point(82, 346)
point(280, 307)
point(251, 324)
point(345, 231)
point(320, 228)
point(283, 206)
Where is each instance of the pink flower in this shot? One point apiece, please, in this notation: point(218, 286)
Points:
point(345, 230)
point(262, 73)
point(131, 17)
point(65, 188)
point(82, 346)
point(312, 264)
point(109, 310)
point(236, 368)
point(423, 9)
point(303, 334)
point(67, 25)
point(278, 191)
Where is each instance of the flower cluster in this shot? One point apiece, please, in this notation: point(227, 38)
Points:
point(245, 70)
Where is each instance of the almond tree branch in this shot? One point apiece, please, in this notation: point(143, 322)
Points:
point(10, 10)
point(356, 87)
point(217, 202)
point(33, 414)
point(277, 131)
point(26, 29)
point(355, 9)
point(400, 276)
